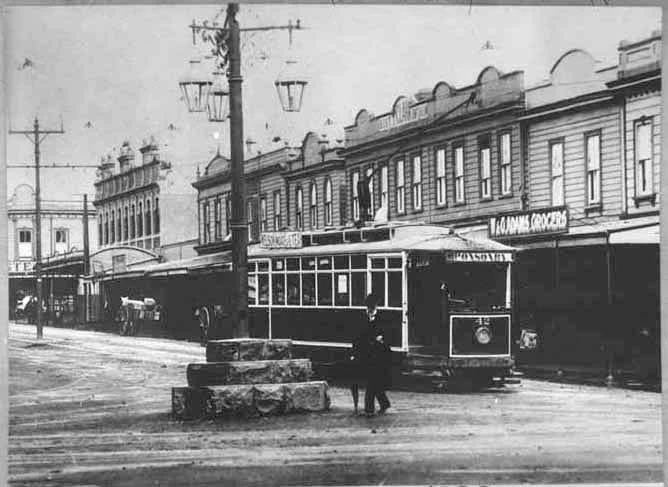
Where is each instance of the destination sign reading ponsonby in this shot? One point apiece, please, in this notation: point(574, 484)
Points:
point(536, 222)
point(281, 240)
point(479, 257)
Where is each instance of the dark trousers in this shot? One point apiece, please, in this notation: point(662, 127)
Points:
point(375, 390)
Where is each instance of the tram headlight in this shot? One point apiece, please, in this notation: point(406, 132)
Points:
point(483, 335)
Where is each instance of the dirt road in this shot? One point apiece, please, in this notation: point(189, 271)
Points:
point(89, 408)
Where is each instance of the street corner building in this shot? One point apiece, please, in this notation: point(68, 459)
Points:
point(63, 254)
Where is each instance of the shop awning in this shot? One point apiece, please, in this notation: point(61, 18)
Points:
point(639, 235)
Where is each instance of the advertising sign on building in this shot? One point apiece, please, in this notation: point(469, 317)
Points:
point(531, 223)
point(403, 113)
point(462, 256)
point(281, 240)
point(118, 263)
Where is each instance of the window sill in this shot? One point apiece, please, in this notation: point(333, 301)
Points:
point(506, 196)
point(486, 199)
point(594, 208)
point(460, 203)
point(646, 197)
point(441, 206)
point(418, 210)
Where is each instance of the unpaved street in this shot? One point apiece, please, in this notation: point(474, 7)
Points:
point(90, 408)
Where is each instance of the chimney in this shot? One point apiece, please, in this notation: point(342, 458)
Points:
point(127, 158)
point(149, 151)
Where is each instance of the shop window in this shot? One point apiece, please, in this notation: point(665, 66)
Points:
point(505, 168)
point(400, 187)
point(644, 159)
point(417, 183)
point(557, 172)
point(593, 157)
point(485, 168)
point(459, 174)
point(25, 243)
point(324, 289)
point(440, 177)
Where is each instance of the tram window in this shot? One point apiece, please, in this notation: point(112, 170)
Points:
point(358, 261)
point(358, 288)
point(263, 284)
point(293, 289)
point(278, 265)
point(394, 262)
point(324, 289)
point(341, 289)
point(252, 288)
point(278, 289)
point(341, 262)
point(308, 263)
point(324, 263)
point(378, 286)
point(308, 289)
point(251, 267)
point(292, 264)
point(378, 263)
point(263, 266)
point(394, 289)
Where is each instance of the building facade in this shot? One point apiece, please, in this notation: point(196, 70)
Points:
point(62, 231)
point(145, 214)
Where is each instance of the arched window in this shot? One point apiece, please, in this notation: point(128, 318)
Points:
point(100, 241)
point(313, 209)
point(299, 220)
point(140, 220)
point(328, 202)
point(106, 228)
point(147, 216)
point(133, 228)
point(119, 226)
point(112, 228)
point(156, 217)
point(125, 223)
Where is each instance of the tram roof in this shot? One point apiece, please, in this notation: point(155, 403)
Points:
point(413, 238)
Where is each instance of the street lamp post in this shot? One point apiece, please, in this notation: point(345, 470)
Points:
point(227, 50)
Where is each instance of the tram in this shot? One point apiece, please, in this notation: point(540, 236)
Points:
point(447, 297)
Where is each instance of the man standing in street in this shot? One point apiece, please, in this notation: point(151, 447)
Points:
point(372, 360)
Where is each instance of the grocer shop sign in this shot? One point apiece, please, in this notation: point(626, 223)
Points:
point(281, 240)
point(537, 222)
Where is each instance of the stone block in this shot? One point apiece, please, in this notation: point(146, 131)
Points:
point(189, 402)
point(307, 396)
point(248, 372)
point(248, 349)
point(231, 400)
point(249, 400)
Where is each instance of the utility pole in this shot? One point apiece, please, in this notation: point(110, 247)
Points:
point(86, 256)
point(36, 136)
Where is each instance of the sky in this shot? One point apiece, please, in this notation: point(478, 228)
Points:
point(111, 72)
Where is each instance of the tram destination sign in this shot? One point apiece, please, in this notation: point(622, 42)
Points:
point(281, 240)
point(463, 256)
point(531, 223)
